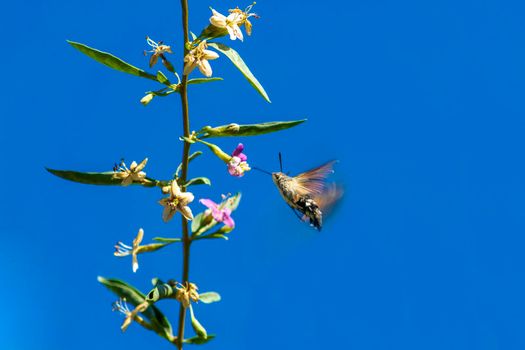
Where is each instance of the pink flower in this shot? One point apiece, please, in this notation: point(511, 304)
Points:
point(219, 214)
point(237, 164)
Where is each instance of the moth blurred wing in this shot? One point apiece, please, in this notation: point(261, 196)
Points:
point(329, 198)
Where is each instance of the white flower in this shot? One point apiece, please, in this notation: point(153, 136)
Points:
point(230, 23)
point(158, 50)
point(177, 201)
point(122, 307)
point(122, 249)
point(133, 174)
point(186, 293)
point(198, 57)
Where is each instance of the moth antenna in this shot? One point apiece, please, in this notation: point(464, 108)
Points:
point(261, 170)
point(281, 161)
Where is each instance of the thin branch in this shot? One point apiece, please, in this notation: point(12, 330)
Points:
point(184, 173)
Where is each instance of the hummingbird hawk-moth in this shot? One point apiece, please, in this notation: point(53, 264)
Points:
point(308, 193)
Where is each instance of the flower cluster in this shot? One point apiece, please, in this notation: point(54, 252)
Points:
point(233, 21)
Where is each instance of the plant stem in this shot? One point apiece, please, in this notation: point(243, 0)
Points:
point(184, 173)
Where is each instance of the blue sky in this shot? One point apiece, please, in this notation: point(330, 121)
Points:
point(422, 103)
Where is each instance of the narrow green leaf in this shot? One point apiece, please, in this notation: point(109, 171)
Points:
point(209, 297)
point(167, 240)
point(198, 340)
point(212, 236)
point(111, 61)
point(198, 181)
point(194, 155)
point(248, 129)
point(203, 80)
point(239, 63)
point(135, 297)
point(163, 92)
point(92, 178)
point(190, 158)
point(197, 326)
point(162, 78)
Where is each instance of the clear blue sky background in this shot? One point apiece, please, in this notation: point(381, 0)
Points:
point(421, 101)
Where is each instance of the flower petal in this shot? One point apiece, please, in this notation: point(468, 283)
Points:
point(189, 64)
point(135, 264)
point(237, 32)
point(153, 60)
point(175, 189)
point(127, 181)
point(208, 203)
point(186, 212)
point(238, 150)
point(185, 198)
point(218, 19)
point(210, 55)
point(228, 221)
point(205, 68)
point(167, 213)
point(138, 168)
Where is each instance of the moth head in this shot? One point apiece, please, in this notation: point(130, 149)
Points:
point(276, 177)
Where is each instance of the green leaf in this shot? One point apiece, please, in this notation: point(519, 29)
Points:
point(161, 291)
point(212, 32)
point(167, 240)
point(213, 236)
point(190, 158)
point(209, 297)
point(162, 78)
point(239, 63)
point(92, 178)
point(198, 340)
point(193, 36)
point(197, 223)
point(203, 80)
point(135, 297)
point(111, 61)
point(197, 326)
point(198, 181)
point(248, 129)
